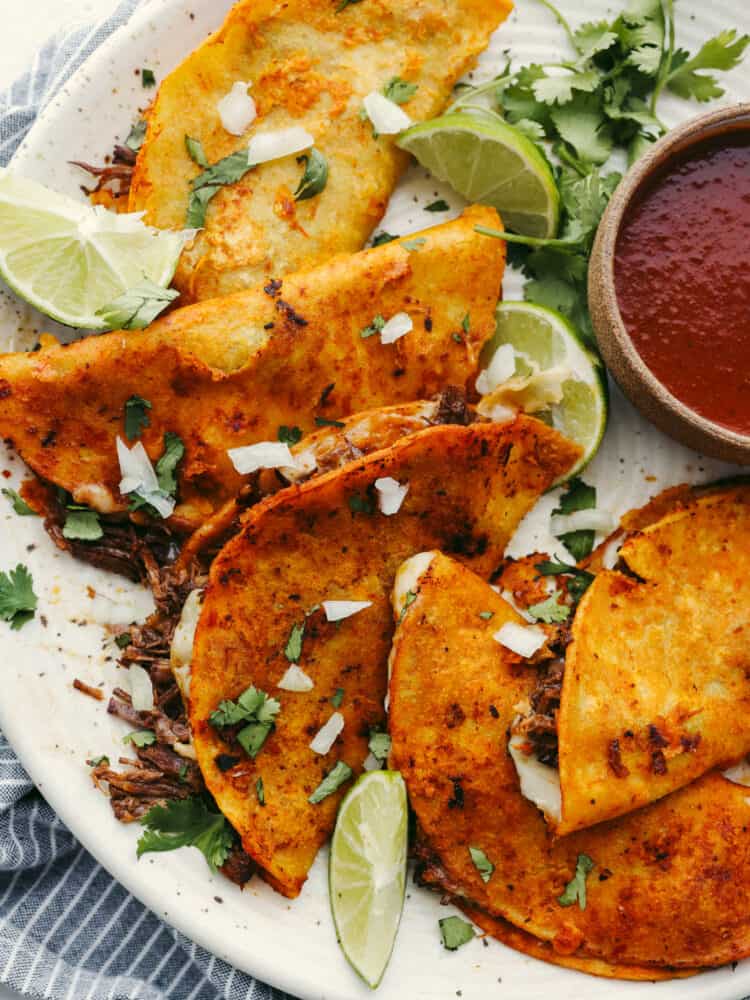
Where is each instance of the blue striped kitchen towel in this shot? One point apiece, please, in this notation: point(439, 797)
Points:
point(67, 929)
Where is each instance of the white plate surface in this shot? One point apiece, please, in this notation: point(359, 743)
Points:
point(289, 944)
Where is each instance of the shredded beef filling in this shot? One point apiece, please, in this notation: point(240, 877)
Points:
point(114, 177)
point(540, 727)
point(165, 770)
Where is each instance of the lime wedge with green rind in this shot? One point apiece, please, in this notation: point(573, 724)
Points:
point(69, 259)
point(543, 339)
point(367, 871)
point(490, 162)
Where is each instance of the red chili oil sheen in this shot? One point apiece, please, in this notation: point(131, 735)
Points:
point(682, 275)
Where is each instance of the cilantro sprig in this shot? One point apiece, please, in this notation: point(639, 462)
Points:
point(578, 496)
point(17, 598)
point(187, 823)
point(601, 98)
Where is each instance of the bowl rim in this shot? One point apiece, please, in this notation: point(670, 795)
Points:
point(601, 278)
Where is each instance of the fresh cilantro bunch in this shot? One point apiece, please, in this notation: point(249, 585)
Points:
point(187, 823)
point(601, 100)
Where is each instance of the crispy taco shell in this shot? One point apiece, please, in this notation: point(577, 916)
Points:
point(230, 372)
point(310, 64)
point(671, 882)
point(657, 678)
point(326, 540)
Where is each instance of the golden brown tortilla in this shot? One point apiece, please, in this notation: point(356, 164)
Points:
point(230, 372)
point(671, 882)
point(310, 64)
point(468, 489)
point(657, 677)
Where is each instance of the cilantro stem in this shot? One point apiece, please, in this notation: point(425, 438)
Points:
point(482, 88)
point(528, 241)
point(665, 65)
point(561, 21)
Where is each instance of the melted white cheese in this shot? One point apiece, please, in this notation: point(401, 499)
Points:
point(181, 652)
point(540, 783)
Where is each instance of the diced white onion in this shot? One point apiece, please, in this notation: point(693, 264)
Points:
point(396, 328)
point(336, 611)
point(500, 369)
point(263, 455)
point(583, 520)
point(141, 689)
point(739, 774)
point(237, 109)
point(612, 551)
point(386, 116)
point(391, 494)
point(274, 145)
point(540, 783)
point(372, 763)
point(295, 679)
point(328, 734)
point(408, 575)
point(136, 468)
point(183, 640)
point(138, 475)
point(524, 640)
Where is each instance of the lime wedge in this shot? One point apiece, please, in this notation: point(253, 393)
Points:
point(488, 161)
point(547, 347)
point(68, 259)
point(367, 873)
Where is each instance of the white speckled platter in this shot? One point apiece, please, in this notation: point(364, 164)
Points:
point(54, 728)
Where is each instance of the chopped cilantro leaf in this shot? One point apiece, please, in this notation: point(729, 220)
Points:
point(575, 890)
point(325, 422)
point(361, 505)
point(260, 792)
point(579, 496)
point(408, 601)
point(413, 245)
point(441, 205)
point(580, 579)
point(400, 91)
point(379, 745)
point(315, 176)
point(187, 823)
point(196, 152)
point(136, 417)
point(17, 598)
point(343, 4)
point(293, 648)
point(455, 932)
point(551, 610)
point(136, 136)
point(140, 738)
point(256, 708)
point(289, 435)
point(337, 698)
point(458, 338)
point(122, 641)
point(82, 525)
point(147, 78)
point(228, 170)
point(482, 863)
point(166, 467)
point(96, 761)
point(382, 237)
point(137, 307)
point(18, 503)
point(332, 781)
point(486, 615)
point(466, 323)
point(183, 773)
point(375, 327)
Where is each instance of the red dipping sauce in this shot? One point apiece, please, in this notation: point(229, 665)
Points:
point(682, 275)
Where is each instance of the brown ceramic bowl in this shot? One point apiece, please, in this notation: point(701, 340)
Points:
point(637, 381)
